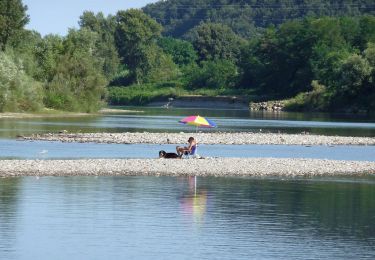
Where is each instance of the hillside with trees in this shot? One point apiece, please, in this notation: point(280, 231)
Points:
point(247, 17)
point(316, 63)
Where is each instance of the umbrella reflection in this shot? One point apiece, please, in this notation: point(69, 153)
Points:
point(195, 202)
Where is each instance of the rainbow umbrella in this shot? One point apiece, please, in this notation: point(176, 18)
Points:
point(198, 121)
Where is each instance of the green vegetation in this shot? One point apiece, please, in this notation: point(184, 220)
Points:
point(18, 92)
point(143, 94)
point(317, 55)
point(247, 17)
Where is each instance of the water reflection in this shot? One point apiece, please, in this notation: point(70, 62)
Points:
point(157, 218)
point(194, 202)
point(342, 209)
point(9, 193)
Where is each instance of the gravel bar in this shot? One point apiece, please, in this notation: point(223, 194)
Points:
point(204, 138)
point(186, 167)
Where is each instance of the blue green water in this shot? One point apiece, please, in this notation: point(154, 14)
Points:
point(184, 218)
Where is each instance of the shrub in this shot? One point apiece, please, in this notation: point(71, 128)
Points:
point(18, 92)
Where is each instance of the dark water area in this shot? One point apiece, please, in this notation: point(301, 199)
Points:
point(187, 218)
point(166, 120)
point(42, 150)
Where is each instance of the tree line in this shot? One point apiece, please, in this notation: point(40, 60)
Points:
point(247, 17)
point(318, 63)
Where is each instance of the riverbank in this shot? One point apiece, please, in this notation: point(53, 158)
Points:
point(50, 113)
point(204, 138)
point(185, 167)
point(191, 101)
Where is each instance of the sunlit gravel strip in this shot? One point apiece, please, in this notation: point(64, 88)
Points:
point(185, 167)
point(205, 138)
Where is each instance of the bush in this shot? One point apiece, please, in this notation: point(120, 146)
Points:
point(217, 74)
point(315, 100)
point(78, 85)
point(18, 92)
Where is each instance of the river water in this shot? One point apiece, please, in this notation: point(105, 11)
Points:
point(166, 120)
point(187, 218)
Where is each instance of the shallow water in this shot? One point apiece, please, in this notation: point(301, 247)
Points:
point(166, 120)
point(11, 149)
point(178, 218)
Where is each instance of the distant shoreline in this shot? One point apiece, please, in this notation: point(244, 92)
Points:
point(219, 167)
point(61, 114)
point(204, 138)
point(192, 101)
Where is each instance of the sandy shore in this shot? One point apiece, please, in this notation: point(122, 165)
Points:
point(205, 138)
point(185, 167)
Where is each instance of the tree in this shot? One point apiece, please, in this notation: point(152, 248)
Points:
point(47, 55)
point(160, 66)
point(18, 92)
point(182, 52)
point(23, 50)
point(105, 44)
point(135, 34)
point(215, 41)
point(353, 88)
point(370, 53)
point(78, 83)
point(13, 18)
point(353, 73)
point(277, 63)
point(245, 18)
point(215, 74)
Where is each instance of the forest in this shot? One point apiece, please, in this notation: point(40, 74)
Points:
point(316, 55)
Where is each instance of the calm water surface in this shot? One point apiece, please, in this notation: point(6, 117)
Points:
point(184, 218)
point(166, 120)
point(12, 149)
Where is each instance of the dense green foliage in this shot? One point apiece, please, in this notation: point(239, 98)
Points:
point(135, 36)
point(245, 17)
point(12, 19)
point(321, 63)
point(67, 73)
point(215, 74)
point(105, 49)
point(76, 84)
point(182, 52)
point(215, 41)
point(18, 92)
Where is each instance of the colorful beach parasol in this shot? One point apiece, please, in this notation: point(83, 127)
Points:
point(198, 121)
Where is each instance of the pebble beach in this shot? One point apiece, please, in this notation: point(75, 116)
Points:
point(204, 138)
point(186, 167)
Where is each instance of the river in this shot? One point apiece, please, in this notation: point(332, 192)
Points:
point(166, 120)
point(187, 218)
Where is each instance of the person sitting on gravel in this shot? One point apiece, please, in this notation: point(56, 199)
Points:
point(190, 150)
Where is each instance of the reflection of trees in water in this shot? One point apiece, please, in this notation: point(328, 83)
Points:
point(9, 189)
point(325, 208)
